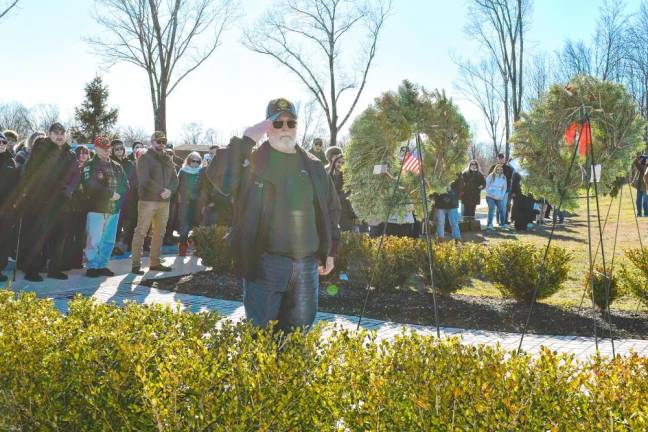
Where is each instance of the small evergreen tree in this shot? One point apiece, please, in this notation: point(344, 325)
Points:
point(94, 117)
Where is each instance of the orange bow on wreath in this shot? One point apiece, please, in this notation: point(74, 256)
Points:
point(585, 137)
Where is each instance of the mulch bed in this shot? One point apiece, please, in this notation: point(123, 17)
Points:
point(414, 307)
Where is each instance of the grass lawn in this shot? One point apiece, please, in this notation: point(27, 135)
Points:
point(573, 236)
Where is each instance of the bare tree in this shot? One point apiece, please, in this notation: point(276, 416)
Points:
point(637, 59)
point(604, 57)
point(609, 40)
point(43, 115)
point(192, 133)
point(308, 37)
point(311, 120)
point(499, 25)
point(168, 39)
point(539, 78)
point(17, 117)
point(131, 134)
point(574, 59)
point(482, 85)
point(6, 7)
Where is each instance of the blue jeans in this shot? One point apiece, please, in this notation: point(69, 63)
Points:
point(101, 230)
point(506, 201)
point(285, 291)
point(453, 216)
point(500, 207)
point(642, 202)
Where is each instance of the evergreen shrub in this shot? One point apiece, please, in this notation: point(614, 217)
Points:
point(450, 267)
point(601, 282)
point(212, 246)
point(150, 368)
point(514, 267)
point(633, 277)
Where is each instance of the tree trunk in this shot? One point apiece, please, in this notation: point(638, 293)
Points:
point(333, 139)
point(159, 115)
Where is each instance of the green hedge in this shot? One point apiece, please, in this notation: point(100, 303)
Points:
point(633, 276)
point(514, 267)
point(212, 246)
point(141, 368)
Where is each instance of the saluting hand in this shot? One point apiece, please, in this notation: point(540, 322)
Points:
point(256, 132)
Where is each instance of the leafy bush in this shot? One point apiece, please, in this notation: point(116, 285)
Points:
point(354, 257)
point(142, 368)
point(601, 282)
point(634, 278)
point(473, 256)
point(514, 266)
point(212, 246)
point(449, 266)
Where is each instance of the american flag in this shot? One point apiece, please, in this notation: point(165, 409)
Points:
point(412, 163)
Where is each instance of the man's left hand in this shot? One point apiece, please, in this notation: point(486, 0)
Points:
point(330, 263)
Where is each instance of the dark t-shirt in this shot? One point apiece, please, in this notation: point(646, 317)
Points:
point(292, 229)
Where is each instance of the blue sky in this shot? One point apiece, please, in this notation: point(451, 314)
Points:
point(45, 60)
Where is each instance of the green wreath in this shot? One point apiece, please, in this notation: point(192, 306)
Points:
point(540, 143)
point(394, 120)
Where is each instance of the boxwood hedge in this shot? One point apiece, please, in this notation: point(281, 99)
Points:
point(139, 368)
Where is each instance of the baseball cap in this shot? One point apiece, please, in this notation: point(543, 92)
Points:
point(56, 127)
point(276, 107)
point(159, 136)
point(102, 142)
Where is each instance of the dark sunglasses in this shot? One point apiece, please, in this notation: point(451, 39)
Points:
point(278, 124)
point(195, 161)
point(4, 142)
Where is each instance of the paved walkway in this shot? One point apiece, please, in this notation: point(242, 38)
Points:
point(124, 286)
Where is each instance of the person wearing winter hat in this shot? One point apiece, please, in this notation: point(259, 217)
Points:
point(331, 152)
point(317, 149)
point(105, 184)
point(285, 219)
point(12, 140)
point(49, 179)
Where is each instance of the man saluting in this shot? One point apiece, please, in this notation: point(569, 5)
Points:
point(285, 227)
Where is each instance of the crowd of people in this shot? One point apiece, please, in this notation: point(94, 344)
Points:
point(65, 207)
point(62, 207)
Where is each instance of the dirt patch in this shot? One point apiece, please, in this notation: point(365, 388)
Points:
point(414, 307)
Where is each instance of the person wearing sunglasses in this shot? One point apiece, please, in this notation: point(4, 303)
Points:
point(156, 182)
point(127, 220)
point(317, 149)
point(8, 182)
point(188, 193)
point(285, 226)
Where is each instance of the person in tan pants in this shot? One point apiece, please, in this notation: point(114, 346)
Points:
point(157, 180)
